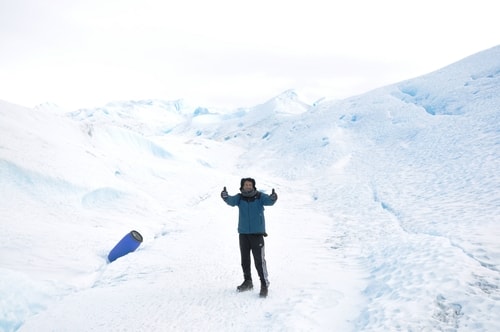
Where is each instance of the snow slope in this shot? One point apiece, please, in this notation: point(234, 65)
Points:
point(388, 215)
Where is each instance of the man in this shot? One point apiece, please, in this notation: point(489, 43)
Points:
point(251, 229)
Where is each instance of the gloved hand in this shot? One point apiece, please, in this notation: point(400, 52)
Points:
point(273, 195)
point(224, 194)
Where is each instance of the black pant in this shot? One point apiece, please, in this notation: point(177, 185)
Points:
point(253, 243)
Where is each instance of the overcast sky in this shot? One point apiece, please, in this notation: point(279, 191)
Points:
point(228, 53)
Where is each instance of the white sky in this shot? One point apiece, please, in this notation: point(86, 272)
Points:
point(228, 53)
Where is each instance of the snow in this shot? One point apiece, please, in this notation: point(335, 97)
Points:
point(388, 216)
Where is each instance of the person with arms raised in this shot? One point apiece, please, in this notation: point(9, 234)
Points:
point(252, 230)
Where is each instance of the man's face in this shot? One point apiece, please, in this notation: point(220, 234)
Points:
point(247, 186)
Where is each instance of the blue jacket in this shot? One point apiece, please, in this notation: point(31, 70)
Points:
point(251, 217)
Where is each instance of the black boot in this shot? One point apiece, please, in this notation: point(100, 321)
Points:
point(245, 286)
point(263, 290)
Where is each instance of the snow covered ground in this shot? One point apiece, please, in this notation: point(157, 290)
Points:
point(388, 217)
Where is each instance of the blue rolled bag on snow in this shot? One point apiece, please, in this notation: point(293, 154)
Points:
point(128, 244)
